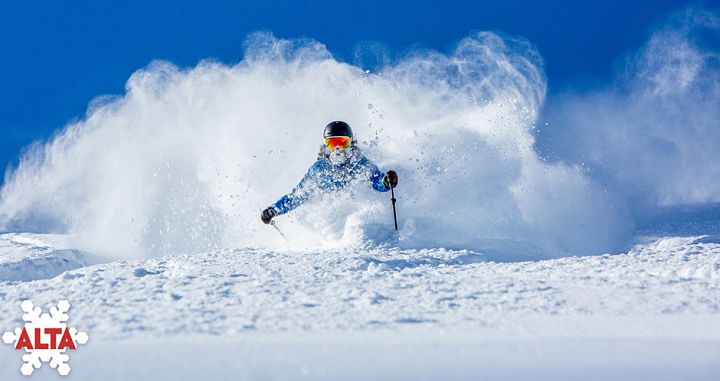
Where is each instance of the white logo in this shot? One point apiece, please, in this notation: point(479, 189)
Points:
point(45, 338)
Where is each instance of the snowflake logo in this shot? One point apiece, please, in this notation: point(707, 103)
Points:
point(45, 338)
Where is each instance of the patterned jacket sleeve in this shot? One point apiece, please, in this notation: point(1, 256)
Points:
point(374, 175)
point(299, 194)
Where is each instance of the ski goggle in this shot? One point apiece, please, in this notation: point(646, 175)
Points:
point(333, 142)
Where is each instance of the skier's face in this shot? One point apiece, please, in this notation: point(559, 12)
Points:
point(338, 156)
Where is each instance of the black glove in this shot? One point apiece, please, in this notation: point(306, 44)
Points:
point(390, 179)
point(268, 214)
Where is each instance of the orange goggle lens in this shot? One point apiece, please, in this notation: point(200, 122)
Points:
point(341, 142)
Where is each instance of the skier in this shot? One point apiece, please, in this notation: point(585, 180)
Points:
point(339, 163)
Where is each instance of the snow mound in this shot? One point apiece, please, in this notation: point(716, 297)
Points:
point(25, 256)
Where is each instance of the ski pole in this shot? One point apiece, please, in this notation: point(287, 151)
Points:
point(392, 193)
point(278, 230)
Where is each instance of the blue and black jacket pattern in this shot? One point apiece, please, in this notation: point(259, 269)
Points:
point(323, 175)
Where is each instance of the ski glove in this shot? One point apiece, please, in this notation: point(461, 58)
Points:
point(268, 214)
point(390, 180)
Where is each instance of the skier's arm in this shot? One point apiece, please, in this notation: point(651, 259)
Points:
point(299, 194)
point(375, 176)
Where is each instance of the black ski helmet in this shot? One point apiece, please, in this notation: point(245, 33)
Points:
point(337, 128)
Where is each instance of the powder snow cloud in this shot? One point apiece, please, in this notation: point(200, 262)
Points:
point(185, 160)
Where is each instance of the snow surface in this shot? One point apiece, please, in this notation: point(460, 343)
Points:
point(386, 313)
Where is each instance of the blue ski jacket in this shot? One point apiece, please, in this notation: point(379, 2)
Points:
point(325, 176)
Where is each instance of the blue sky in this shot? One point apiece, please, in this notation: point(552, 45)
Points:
point(58, 55)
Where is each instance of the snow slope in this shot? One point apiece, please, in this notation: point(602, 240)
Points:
point(652, 313)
